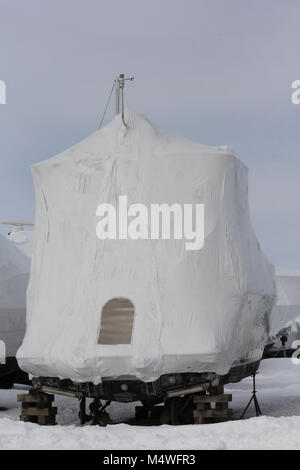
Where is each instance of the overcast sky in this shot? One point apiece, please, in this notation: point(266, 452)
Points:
point(216, 71)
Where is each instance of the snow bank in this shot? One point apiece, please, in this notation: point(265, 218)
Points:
point(201, 311)
point(256, 433)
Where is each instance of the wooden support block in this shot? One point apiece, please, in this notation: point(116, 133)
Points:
point(218, 390)
point(28, 404)
point(215, 414)
point(29, 419)
point(43, 420)
point(212, 398)
point(34, 411)
point(222, 406)
point(199, 420)
point(37, 408)
point(46, 420)
point(36, 398)
point(202, 406)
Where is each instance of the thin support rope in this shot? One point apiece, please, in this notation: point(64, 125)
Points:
point(103, 116)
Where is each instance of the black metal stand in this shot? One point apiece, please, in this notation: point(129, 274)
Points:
point(255, 401)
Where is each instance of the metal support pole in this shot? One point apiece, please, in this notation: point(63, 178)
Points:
point(255, 400)
point(119, 93)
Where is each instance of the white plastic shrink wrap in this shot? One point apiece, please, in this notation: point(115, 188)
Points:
point(202, 310)
point(286, 312)
point(14, 275)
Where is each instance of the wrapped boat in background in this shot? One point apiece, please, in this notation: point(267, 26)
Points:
point(285, 324)
point(14, 276)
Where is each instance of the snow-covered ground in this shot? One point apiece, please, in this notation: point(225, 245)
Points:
point(278, 385)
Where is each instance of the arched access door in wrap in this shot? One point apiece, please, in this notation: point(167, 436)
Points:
point(116, 322)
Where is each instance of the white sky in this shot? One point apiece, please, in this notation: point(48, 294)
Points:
point(216, 71)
